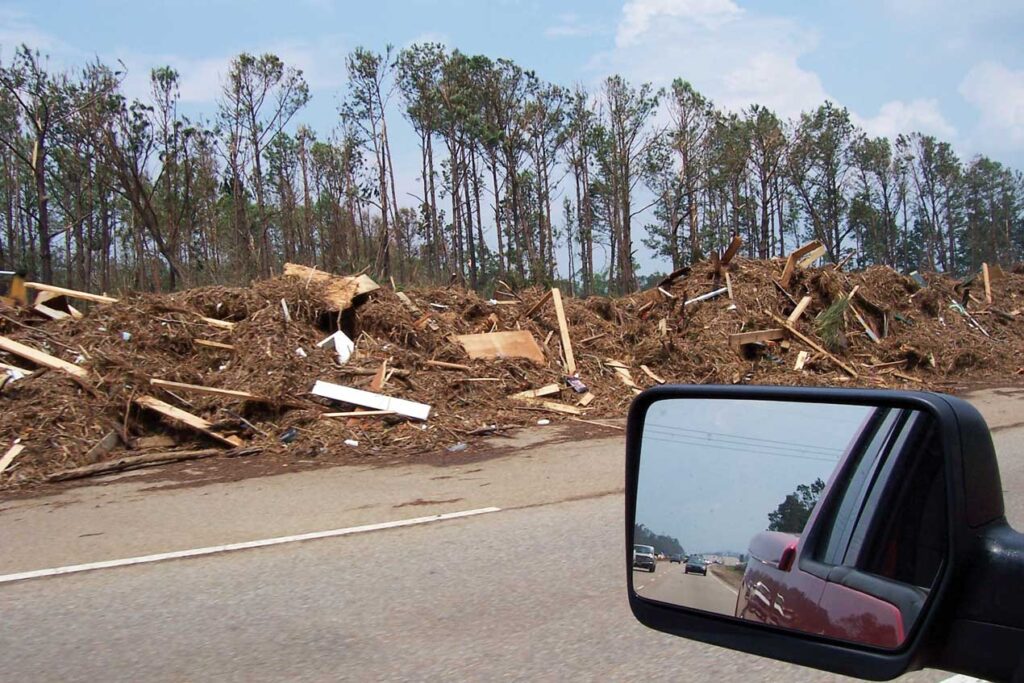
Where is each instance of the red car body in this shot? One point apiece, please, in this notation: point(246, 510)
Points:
point(776, 591)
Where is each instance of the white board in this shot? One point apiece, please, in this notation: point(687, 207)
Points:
point(368, 399)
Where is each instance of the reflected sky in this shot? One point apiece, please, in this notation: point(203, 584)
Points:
point(711, 469)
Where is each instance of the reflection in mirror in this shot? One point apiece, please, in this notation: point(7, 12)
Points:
point(825, 518)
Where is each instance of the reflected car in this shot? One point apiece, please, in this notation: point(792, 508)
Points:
point(675, 558)
point(695, 565)
point(643, 557)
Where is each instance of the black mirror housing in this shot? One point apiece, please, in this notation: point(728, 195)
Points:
point(955, 613)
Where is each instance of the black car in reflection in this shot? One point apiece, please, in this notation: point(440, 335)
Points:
point(695, 564)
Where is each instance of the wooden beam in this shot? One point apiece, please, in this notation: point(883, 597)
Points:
point(199, 389)
point(223, 324)
point(731, 250)
point(184, 417)
point(72, 293)
point(540, 302)
point(558, 407)
point(563, 328)
point(623, 373)
point(51, 313)
point(812, 256)
point(649, 373)
point(41, 358)
point(795, 259)
point(546, 390)
point(213, 344)
point(448, 366)
point(728, 286)
point(799, 310)
point(737, 341)
point(986, 277)
point(8, 457)
point(815, 346)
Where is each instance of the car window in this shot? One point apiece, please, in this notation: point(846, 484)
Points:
point(833, 544)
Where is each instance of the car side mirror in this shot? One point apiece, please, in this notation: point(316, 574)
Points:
point(842, 527)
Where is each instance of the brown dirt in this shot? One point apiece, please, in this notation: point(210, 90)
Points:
point(123, 345)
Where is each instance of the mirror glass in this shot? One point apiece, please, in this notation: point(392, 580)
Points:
point(824, 518)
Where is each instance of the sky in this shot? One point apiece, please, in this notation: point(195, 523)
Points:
point(711, 469)
point(945, 67)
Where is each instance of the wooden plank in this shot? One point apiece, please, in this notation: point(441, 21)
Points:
point(667, 294)
point(12, 453)
point(448, 366)
point(223, 324)
point(359, 413)
point(731, 251)
point(649, 373)
point(799, 310)
point(599, 424)
point(184, 417)
point(787, 271)
point(728, 286)
point(622, 371)
point(339, 290)
point(546, 390)
point(986, 277)
point(563, 328)
point(559, 407)
point(795, 258)
point(213, 344)
point(540, 302)
point(815, 346)
point(408, 304)
point(15, 368)
point(132, 462)
point(801, 360)
point(511, 344)
point(586, 399)
point(663, 327)
point(40, 358)
point(367, 399)
point(72, 293)
point(51, 313)
point(812, 256)
point(737, 341)
point(199, 389)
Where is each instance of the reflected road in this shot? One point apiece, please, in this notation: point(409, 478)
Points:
point(669, 584)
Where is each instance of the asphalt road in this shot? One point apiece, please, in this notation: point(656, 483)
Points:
point(534, 591)
point(670, 584)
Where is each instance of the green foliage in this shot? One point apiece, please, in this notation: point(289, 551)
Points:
point(792, 514)
point(830, 324)
point(662, 543)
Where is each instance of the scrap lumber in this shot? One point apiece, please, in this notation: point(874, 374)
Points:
point(546, 390)
point(623, 373)
point(872, 335)
point(600, 424)
point(705, 297)
point(728, 286)
point(812, 256)
point(593, 338)
point(563, 328)
point(15, 369)
point(359, 413)
point(650, 373)
point(511, 344)
point(214, 322)
point(558, 407)
point(673, 276)
point(795, 258)
point(799, 310)
point(448, 366)
point(815, 346)
point(199, 389)
point(213, 344)
point(186, 418)
point(987, 279)
point(801, 360)
point(586, 399)
point(731, 251)
point(540, 302)
point(8, 457)
point(132, 462)
point(339, 291)
point(368, 399)
point(51, 313)
point(739, 340)
point(71, 293)
point(41, 358)
point(408, 304)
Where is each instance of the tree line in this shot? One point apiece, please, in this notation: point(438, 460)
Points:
point(519, 179)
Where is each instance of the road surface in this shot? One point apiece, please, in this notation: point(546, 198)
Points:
point(670, 584)
point(533, 591)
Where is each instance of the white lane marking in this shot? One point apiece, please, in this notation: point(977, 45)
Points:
point(960, 678)
point(246, 545)
point(722, 581)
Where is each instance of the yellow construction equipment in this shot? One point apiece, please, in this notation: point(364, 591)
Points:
point(17, 295)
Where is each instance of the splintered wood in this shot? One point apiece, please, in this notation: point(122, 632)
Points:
point(623, 373)
point(513, 344)
point(186, 418)
point(563, 328)
point(338, 291)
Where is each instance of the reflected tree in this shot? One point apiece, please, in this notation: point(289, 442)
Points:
point(793, 513)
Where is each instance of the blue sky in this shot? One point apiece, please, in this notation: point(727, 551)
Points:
point(951, 68)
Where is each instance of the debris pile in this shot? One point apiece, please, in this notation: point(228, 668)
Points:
point(309, 364)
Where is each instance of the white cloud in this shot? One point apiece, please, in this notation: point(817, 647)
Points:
point(639, 15)
point(897, 116)
point(16, 28)
point(997, 92)
point(734, 56)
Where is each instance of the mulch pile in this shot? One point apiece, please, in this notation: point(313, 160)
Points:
point(941, 336)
